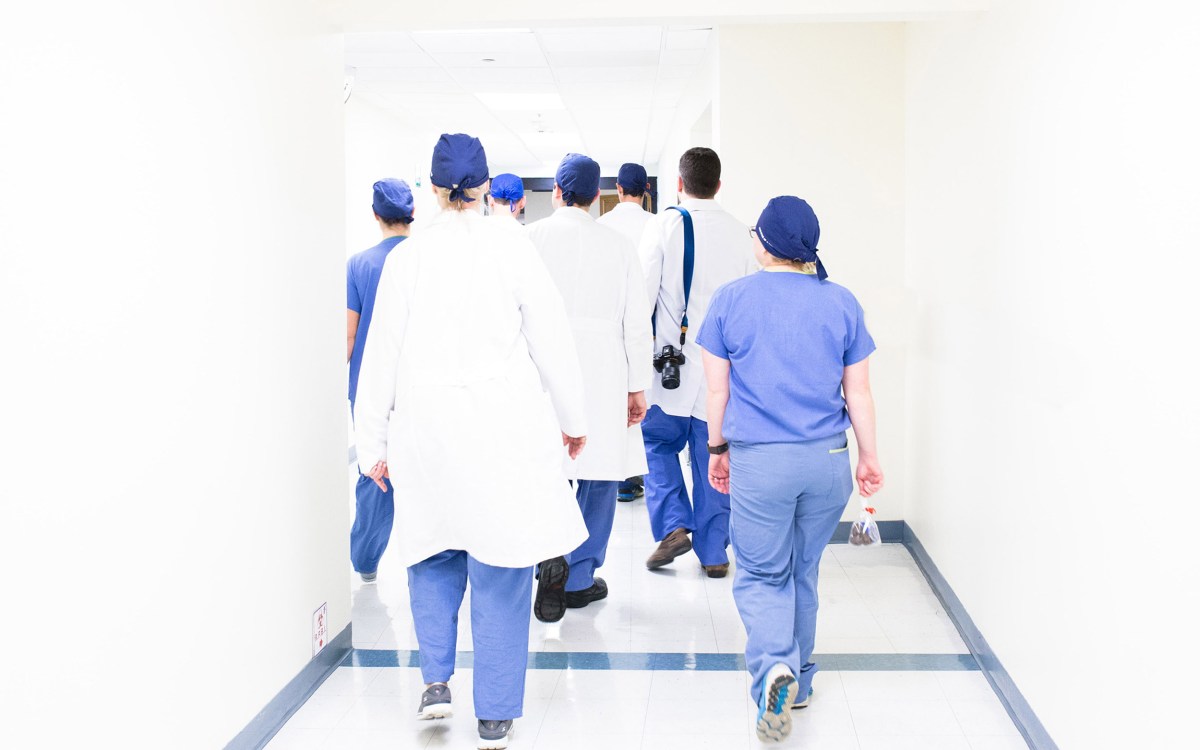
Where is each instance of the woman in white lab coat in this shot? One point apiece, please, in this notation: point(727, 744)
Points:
point(600, 277)
point(469, 388)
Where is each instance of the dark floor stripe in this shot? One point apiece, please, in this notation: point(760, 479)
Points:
point(601, 660)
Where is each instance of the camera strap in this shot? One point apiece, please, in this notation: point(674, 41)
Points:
point(689, 264)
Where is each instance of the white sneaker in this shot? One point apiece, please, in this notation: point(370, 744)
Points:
point(774, 706)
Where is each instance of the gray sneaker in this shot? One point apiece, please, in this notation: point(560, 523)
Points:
point(493, 734)
point(435, 702)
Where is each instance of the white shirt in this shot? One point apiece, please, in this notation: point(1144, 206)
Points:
point(629, 219)
point(601, 281)
point(724, 252)
point(468, 376)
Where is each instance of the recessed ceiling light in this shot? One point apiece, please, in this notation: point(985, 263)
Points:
point(488, 59)
point(520, 101)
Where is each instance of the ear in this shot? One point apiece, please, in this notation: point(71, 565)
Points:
point(679, 188)
point(433, 188)
point(520, 206)
point(620, 192)
point(718, 187)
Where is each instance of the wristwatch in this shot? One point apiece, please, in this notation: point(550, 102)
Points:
point(717, 450)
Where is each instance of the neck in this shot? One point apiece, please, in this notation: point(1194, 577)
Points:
point(631, 199)
point(400, 230)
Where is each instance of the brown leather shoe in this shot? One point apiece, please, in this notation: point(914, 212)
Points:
point(717, 571)
point(676, 544)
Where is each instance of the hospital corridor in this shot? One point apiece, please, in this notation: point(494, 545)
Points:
point(642, 376)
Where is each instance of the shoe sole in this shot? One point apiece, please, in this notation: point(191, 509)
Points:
point(771, 726)
point(659, 563)
point(435, 711)
point(550, 604)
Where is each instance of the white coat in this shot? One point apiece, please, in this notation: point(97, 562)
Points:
point(468, 328)
point(724, 252)
point(629, 219)
point(601, 281)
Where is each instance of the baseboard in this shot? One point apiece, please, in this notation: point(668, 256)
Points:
point(1018, 708)
point(271, 719)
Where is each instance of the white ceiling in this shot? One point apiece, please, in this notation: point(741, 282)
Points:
point(532, 95)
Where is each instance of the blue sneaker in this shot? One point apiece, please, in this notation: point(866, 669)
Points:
point(774, 721)
point(803, 703)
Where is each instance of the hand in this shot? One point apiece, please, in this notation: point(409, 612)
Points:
point(379, 472)
point(637, 408)
point(574, 444)
point(869, 475)
point(718, 472)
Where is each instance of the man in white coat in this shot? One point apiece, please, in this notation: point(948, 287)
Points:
point(600, 278)
point(676, 420)
point(630, 219)
point(469, 389)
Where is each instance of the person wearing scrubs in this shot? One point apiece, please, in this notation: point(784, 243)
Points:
point(373, 509)
point(630, 219)
point(469, 389)
point(506, 199)
point(785, 351)
point(676, 420)
point(600, 278)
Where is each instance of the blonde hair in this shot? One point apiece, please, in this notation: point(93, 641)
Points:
point(795, 263)
point(474, 194)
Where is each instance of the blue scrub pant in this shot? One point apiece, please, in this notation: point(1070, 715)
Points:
point(373, 513)
point(707, 514)
point(787, 499)
point(500, 603)
point(598, 501)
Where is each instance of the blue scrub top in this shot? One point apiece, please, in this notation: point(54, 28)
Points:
point(788, 338)
point(362, 281)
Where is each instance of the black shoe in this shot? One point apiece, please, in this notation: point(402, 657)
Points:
point(594, 593)
point(550, 603)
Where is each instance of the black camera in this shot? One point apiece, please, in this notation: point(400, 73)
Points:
point(667, 362)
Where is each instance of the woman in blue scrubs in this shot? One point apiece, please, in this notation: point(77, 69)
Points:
point(785, 355)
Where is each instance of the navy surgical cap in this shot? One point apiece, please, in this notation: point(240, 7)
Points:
point(788, 229)
point(508, 187)
point(579, 178)
point(632, 177)
point(393, 200)
point(459, 163)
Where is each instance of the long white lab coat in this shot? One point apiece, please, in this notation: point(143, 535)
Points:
point(600, 277)
point(468, 328)
point(630, 219)
point(724, 252)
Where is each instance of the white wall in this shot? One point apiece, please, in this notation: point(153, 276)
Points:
point(817, 110)
point(1052, 194)
point(171, 286)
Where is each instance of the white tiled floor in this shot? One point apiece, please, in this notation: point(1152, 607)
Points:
point(874, 601)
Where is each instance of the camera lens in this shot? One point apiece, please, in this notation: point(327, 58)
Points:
point(670, 376)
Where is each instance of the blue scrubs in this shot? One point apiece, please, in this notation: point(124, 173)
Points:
point(373, 508)
point(706, 515)
point(598, 501)
point(781, 522)
point(500, 602)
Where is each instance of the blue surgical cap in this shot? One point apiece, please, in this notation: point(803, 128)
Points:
point(508, 187)
point(393, 200)
point(579, 178)
point(459, 163)
point(788, 229)
point(632, 177)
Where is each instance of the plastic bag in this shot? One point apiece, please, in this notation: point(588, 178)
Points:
point(865, 532)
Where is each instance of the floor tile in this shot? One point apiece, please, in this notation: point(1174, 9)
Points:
point(904, 718)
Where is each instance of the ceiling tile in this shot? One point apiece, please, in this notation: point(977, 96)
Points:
point(602, 59)
point(687, 39)
point(380, 42)
point(407, 59)
point(477, 41)
point(606, 74)
point(493, 58)
point(609, 41)
point(402, 75)
point(472, 77)
point(682, 57)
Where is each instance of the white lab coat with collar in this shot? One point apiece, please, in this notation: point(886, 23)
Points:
point(469, 374)
point(506, 221)
point(601, 281)
point(724, 252)
point(629, 219)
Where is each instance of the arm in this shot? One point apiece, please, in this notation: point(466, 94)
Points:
point(716, 372)
point(376, 396)
point(351, 332)
point(639, 342)
point(650, 252)
point(856, 385)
